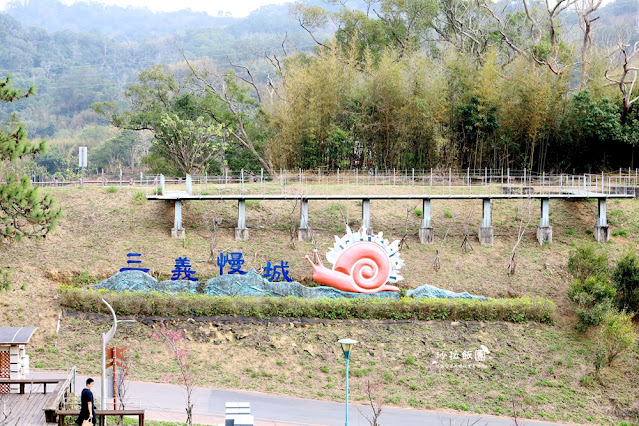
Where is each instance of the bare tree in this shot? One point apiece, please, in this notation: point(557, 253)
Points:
point(462, 24)
point(403, 239)
point(293, 227)
point(551, 59)
point(623, 72)
point(585, 8)
point(236, 104)
point(122, 385)
point(211, 221)
point(465, 245)
point(436, 264)
point(525, 217)
point(375, 401)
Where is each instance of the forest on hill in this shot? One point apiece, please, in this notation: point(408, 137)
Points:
point(380, 84)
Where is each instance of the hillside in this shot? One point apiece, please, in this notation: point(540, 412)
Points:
point(545, 369)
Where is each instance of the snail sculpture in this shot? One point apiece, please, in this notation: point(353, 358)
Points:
point(362, 263)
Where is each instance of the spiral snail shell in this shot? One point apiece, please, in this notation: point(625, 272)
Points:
point(362, 263)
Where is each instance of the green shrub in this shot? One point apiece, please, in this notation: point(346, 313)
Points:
point(620, 233)
point(586, 261)
point(419, 213)
point(600, 356)
point(616, 334)
point(626, 279)
point(150, 304)
point(83, 279)
point(597, 287)
point(253, 204)
point(586, 381)
point(112, 189)
point(448, 214)
point(592, 315)
point(140, 196)
point(595, 297)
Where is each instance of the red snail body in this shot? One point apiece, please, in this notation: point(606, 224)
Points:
point(362, 263)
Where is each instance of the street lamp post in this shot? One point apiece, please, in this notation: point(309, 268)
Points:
point(346, 348)
point(105, 339)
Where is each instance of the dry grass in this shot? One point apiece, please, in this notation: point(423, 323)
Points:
point(545, 363)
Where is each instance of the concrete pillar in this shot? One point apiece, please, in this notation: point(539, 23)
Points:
point(189, 185)
point(366, 213)
point(602, 231)
point(544, 230)
point(486, 234)
point(304, 232)
point(426, 231)
point(241, 232)
point(177, 231)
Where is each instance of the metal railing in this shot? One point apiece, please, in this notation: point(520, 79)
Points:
point(376, 182)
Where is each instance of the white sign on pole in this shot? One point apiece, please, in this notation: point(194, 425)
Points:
point(82, 155)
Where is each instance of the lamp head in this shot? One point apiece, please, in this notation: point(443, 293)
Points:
point(346, 345)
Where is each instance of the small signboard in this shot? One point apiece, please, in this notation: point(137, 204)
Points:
point(82, 156)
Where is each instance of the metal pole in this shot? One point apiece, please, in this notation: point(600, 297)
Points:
point(82, 179)
point(347, 356)
point(115, 394)
point(105, 339)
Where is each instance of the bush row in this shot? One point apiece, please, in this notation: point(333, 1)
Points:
point(158, 304)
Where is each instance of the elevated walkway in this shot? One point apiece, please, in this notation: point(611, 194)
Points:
point(444, 187)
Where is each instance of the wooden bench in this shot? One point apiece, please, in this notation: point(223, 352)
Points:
point(102, 414)
point(24, 382)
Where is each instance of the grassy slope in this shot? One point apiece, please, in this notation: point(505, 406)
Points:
point(541, 365)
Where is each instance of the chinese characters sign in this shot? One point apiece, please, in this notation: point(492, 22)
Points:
point(233, 261)
point(474, 358)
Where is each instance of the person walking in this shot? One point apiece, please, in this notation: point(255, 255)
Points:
point(87, 406)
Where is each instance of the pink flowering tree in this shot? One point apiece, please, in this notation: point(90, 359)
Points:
point(179, 350)
point(375, 400)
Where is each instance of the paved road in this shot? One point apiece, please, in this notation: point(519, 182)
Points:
point(167, 402)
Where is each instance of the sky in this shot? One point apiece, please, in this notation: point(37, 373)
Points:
point(238, 8)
